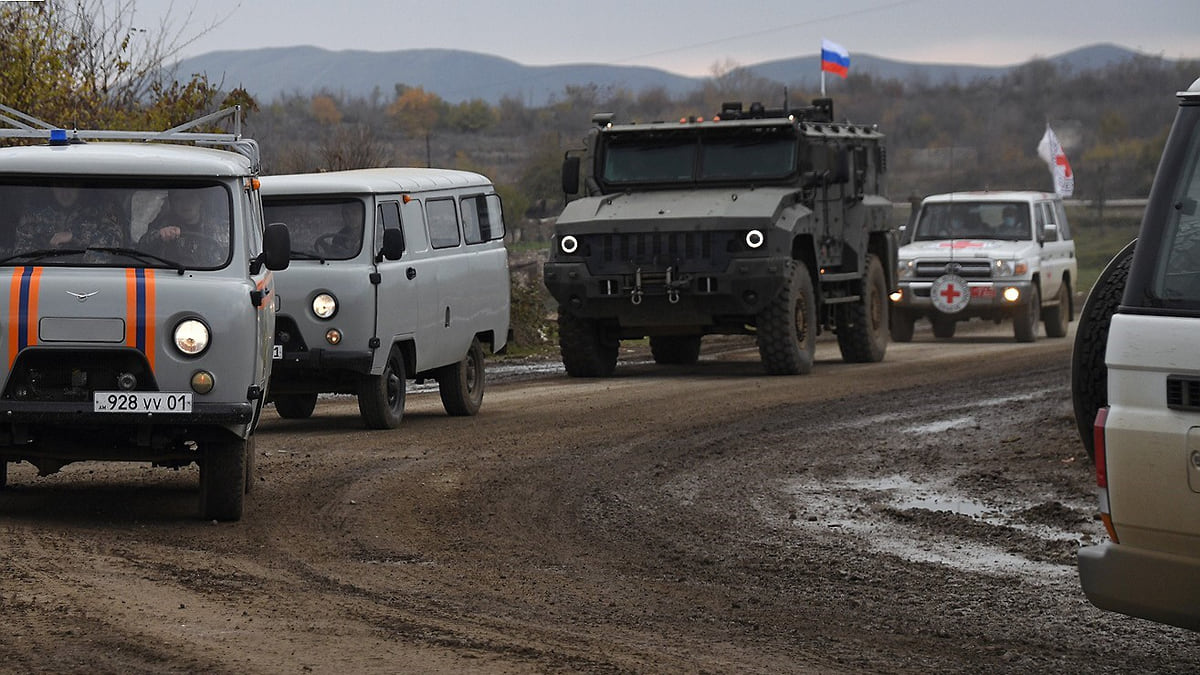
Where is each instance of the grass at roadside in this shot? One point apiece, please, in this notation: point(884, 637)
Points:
point(1096, 241)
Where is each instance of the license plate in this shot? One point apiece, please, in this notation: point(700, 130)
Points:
point(141, 402)
point(983, 292)
point(277, 352)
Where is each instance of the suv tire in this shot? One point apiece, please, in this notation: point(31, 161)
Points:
point(223, 479)
point(586, 350)
point(295, 406)
point(1058, 317)
point(381, 397)
point(1089, 375)
point(901, 325)
point(461, 384)
point(1025, 323)
point(787, 328)
point(943, 327)
point(862, 327)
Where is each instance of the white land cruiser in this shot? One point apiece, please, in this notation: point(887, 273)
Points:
point(140, 313)
point(396, 274)
point(1142, 320)
point(988, 255)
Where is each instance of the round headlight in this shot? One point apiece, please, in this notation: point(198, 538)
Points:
point(191, 337)
point(569, 244)
point(755, 238)
point(324, 306)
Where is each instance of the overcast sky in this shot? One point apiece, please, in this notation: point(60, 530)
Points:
point(690, 36)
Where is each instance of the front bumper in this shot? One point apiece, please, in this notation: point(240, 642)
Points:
point(986, 297)
point(318, 371)
point(649, 299)
point(1157, 586)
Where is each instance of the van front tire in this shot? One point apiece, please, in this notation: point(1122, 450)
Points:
point(295, 406)
point(223, 470)
point(381, 397)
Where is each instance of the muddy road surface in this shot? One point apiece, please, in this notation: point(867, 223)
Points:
point(918, 515)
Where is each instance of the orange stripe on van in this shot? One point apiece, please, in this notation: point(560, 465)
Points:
point(149, 318)
point(14, 315)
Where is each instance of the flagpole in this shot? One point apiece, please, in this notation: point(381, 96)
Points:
point(822, 83)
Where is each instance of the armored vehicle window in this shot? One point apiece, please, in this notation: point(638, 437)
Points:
point(667, 158)
point(330, 229)
point(70, 221)
point(973, 220)
point(759, 155)
point(443, 223)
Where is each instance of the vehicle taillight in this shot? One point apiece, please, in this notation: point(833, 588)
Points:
point(1102, 472)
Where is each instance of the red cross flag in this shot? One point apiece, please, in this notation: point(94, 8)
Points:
point(1051, 152)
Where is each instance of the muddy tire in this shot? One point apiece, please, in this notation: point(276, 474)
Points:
point(901, 325)
point(862, 327)
point(295, 406)
point(1089, 375)
point(1025, 323)
point(223, 479)
point(381, 397)
point(586, 350)
point(3, 474)
point(787, 328)
point(943, 327)
point(675, 349)
point(461, 384)
point(1058, 317)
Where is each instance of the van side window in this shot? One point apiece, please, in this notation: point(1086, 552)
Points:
point(443, 223)
point(474, 215)
point(493, 224)
point(387, 217)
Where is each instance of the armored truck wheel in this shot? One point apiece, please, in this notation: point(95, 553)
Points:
point(3, 473)
point(787, 336)
point(900, 325)
point(223, 479)
point(1025, 323)
point(1089, 375)
point(862, 327)
point(675, 349)
point(461, 384)
point(295, 406)
point(381, 397)
point(586, 350)
point(943, 327)
point(1058, 317)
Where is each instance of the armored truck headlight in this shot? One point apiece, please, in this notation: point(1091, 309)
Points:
point(569, 244)
point(755, 238)
point(324, 305)
point(191, 337)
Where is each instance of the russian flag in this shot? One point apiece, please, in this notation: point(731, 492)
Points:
point(834, 58)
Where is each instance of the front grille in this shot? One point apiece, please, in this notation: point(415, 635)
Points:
point(71, 376)
point(693, 251)
point(1183, 393)
point(967, 269)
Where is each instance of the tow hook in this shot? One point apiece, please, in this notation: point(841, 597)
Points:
point(635, 296)
point(672, 292)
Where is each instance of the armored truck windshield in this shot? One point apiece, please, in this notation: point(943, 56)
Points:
point(739, 154)
point(73, 221)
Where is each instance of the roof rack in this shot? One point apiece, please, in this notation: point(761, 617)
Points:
point(22, 125)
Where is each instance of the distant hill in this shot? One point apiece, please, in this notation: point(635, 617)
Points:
point(461, 75)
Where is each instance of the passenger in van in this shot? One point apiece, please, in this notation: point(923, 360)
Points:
point(187, 232)
point(68, 221)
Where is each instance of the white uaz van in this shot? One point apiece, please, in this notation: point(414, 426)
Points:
point(396, 274)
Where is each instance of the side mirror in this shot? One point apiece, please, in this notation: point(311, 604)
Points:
point(1051, 232)
point(1040, 233)
point(393, 243)
point(570, 175)
point(277, 249)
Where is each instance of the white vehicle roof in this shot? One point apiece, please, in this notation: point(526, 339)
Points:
point(1192, 91)
point(371, 181)
point(990, 196)
point(109, 158)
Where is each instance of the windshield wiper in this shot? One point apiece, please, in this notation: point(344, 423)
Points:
point(305, 255)
point(42, 253)
point(140, 255)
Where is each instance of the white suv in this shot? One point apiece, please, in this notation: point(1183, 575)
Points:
point(989, 255)
point(1147, 432)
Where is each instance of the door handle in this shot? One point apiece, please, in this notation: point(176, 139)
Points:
point(411, 273)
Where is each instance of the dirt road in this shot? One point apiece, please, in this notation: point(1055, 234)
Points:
point(917, 515)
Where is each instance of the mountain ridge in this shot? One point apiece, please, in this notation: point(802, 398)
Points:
point(458, 75)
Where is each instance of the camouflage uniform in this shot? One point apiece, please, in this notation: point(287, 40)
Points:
point(88, 225)
point(203, 244)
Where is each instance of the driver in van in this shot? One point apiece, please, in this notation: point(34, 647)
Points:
point(186, 229)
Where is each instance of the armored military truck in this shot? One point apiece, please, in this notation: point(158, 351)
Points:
point(768, 222)
point(140, 310)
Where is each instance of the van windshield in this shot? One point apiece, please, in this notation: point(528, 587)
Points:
point(320, 229)
point(77, 221)
point(973, 220)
